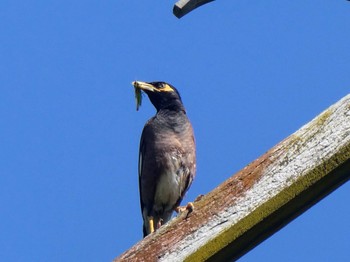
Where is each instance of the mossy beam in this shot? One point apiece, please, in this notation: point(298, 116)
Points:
point(274, 214)
point(261, 198)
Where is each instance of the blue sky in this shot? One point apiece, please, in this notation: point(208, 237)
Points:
point(250, 74)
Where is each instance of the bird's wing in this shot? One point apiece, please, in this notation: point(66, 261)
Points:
point(146, 169)
point(141, 150)
point(187, 167)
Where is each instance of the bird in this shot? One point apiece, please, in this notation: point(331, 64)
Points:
point(167, 156)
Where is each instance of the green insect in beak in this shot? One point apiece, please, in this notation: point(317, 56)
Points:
point(138, 97)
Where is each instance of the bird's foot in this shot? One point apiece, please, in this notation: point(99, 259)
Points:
point(160, 223)
point(189, 208)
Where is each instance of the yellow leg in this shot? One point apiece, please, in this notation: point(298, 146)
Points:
point(151, 224)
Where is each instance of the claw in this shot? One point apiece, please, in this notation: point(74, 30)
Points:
point(180, 210)
point(190, 208)
point(159, 224)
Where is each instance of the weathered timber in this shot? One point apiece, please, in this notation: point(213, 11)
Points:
point(261, 198)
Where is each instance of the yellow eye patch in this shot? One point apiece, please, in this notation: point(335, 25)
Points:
point(166, 88)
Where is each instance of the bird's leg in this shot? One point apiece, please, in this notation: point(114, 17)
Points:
point(151, 224)
point(189, 207)
point(160, 222)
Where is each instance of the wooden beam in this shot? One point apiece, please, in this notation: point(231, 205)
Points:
point(261, 198)
point(183, 7)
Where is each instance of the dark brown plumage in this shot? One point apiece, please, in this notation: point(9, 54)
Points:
point(167, 159)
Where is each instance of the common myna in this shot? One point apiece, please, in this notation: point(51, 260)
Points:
point(167, 157)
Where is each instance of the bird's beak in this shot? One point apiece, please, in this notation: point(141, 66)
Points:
point(144, 86)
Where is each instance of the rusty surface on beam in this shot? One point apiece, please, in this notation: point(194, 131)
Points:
point(213, 203)
point(325, 141)
point(226, 194)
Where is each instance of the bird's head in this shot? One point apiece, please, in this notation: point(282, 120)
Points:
point(161, 94)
